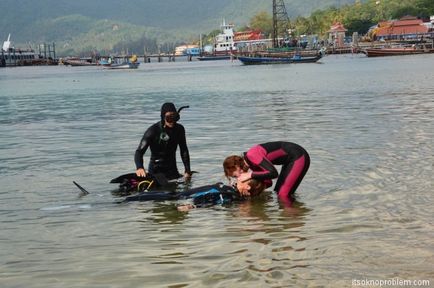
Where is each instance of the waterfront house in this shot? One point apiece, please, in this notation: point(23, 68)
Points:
point(406, 28)
point(190, 49)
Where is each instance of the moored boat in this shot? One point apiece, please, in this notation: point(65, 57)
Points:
point(378, 52)
point(276, 59)
point(78, 62)
point(125, 63)
point(224, 41)
point(106, 61)
point(214, 57)
point(224, 45)
point(11, 56)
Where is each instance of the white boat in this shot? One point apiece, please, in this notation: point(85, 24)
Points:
point(11, 56)
point(224, 44)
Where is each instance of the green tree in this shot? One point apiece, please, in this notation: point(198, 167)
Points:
point(208, 39)
point(262, 21)
point(426, 6)
point(360, 16)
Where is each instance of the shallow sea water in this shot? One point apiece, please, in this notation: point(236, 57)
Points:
point(363, 211)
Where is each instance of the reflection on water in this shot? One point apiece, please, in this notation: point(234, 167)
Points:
point(164, 213)
point(362, 211)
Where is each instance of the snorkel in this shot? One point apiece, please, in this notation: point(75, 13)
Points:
point(170, 107)
point(177, 115)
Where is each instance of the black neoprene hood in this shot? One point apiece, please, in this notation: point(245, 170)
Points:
point(167, 107)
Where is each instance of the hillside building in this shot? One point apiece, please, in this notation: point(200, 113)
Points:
point(406, 28)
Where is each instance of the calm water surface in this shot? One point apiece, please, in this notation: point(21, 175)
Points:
point(364, 209)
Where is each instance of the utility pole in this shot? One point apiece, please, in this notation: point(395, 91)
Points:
point(280, 21)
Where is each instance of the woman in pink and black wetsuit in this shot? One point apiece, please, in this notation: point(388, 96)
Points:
point(261, 159)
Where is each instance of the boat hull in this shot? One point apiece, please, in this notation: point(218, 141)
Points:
point(123, 66)
point(247, 60)
point(379, 52)
point(213, 58)
point(78, 63)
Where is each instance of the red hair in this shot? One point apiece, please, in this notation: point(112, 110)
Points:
point(231, 163)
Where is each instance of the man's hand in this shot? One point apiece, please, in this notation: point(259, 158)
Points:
point(187, 176)
point(185, 208)
point(141, 172)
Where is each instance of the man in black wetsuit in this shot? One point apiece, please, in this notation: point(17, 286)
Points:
point(163, 138)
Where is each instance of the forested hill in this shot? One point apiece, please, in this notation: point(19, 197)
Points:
point(77, 23)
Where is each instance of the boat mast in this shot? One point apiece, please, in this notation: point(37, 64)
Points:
point(280, 21)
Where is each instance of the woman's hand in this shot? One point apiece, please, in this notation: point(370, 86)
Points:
point(243, 185)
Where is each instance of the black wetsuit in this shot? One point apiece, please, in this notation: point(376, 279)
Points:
point(202, 196)
point(163, 142)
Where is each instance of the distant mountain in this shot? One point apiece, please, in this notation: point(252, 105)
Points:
point(102, 24)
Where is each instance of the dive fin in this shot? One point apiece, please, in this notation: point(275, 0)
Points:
point(161, 179)
point(124, 177)
point(83, 191)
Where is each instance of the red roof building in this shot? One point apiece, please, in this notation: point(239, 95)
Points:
point(337, 27)
point(337, 34)
point(248, 35)
point(402, 28)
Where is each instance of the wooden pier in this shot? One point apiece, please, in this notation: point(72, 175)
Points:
point(153, 58)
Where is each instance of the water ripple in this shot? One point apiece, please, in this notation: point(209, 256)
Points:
point(362, 211)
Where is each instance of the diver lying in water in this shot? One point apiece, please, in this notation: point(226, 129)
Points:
point(204, 196)
point(131, 183)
